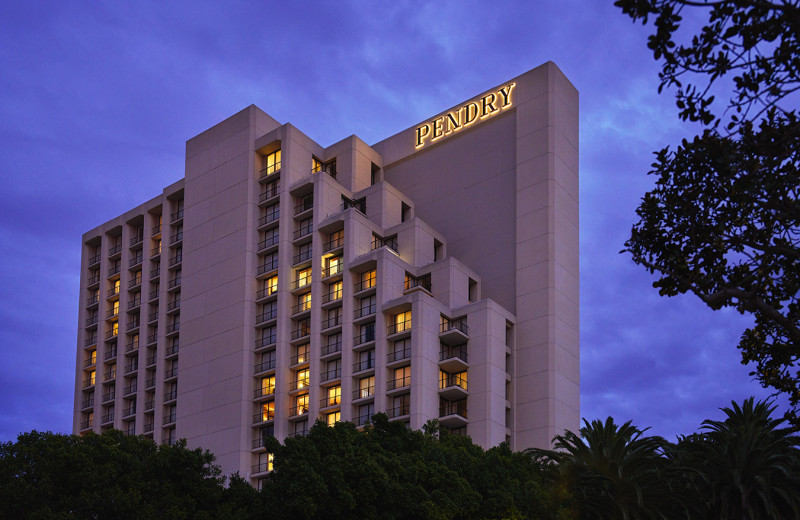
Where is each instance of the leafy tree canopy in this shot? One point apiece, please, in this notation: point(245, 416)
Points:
point(723, 220)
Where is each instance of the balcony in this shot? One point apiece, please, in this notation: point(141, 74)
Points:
point(136, 239)
point(332, 270)
point(132, 367)
point(301, 308)
point(306, 204)
point(110, 353)
point(399, 328)
point(398, 411)
point(364, 393)
point(172, 349)
point(156, 251)
point(176, 216)
point(150, 361)
point(268, 242)
point(127, 412)
point(134, 303)
point(364, 285)
point(267, 315)
point(155, 273)
point(152, 338)
point(453, 414)
point(177, 237)
point(148, 427)
point(115, 250)
point(453, 386)
point(453, 358)
point(91, 320)
point(85, 425)
point(175, 282)
point(299, 359)
point(398, 355)
point(361, 420)
point(169, 419)
point(92, 300)
point(332, 296)
point(264, 391)
point(112, 312)
point(91, 340)
point(269, 218)
point(87, 403)
point(296, 411)
point(128, 390)
point(332, 244)
point(360, 366)
point(93, 279)
point(110, 396)
point(269, 171)
point(88, 382)
point(330, 349)
point(170, 396)
point(150, 383)
point(423, 282)
point(301, 282)
point(300, 333)
point(299, 384)
point(113, 270)
point(267, 267)
point(331, 375)
point(264, 366)
point(363, 339)
point(132, 325)
point(301, 257)
point(453, 332)
point(156, 229)
point(136, 260)
point(153, 316)
point(333, 321)
point(94, 259)
point(173, 305)
point(399, 383)
point(362, 312)
point(266, 341)
point(264, 416)
point(328, 402)
point(149, 405)
point(302, 232)
point(171, 372)
point(267, 194)
point(173, 327)
point(105, 419)
point(261, 467)
point(175, 260)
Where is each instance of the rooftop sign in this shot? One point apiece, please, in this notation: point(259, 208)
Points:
point(466, 115)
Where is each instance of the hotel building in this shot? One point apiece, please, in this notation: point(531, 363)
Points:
point(432, 275)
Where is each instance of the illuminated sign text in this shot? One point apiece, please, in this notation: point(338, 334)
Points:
point(464, 116)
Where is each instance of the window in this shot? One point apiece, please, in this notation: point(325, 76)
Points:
point(367, 332)
point(114, 328)
point(334, 396)
point(267, 411)
point(365, 413)
point(401, 405)
point(333, 265)
point(115, 307)
point(301, 354)
point(332, 418)
point(272, 163)
point(137, 277)
point(304, 228)
point(400, 350)
point(367, 280)
point(366, 387)
point(303, 377)
point(335, 239)
point(366, 306)
point(115, 287)
point(92, 377)
point(402, 321)
point(302, 404)
point(156, 246)
point(303, 277)
point(268, 336)
point(402, 377)
point(265, 462)
point(304, 302)
point(366, 359)
point(334, 292)
point(267, 385)
point(316, 165)
point(333, 369)
point(93, 357)
point(271, 213)
point(271, 285)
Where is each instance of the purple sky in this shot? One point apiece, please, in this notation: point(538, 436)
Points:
point(98, 99)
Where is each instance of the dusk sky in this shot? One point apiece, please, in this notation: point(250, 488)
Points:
point(98, 99)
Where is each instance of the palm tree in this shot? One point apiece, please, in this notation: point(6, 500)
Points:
point(615, 472)
point(749, 465)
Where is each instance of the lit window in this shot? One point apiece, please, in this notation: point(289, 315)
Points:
point(303, 378)
point(302, 353)
point(272, 163)
point(115, 288)
point(402, 377)
point(268, 411)
point(335, 291)
point(302, 404)
point(333, 265)
point(332, 418)
point(93, 357)
point(403, 321)
point(316, 165)
point(115, 307)
point(92, 377)
point(366, 387)
point(157, 247)
point(304, 301)
point(334, 395)
point(272, 285)
point(114, 328)
point(267, 385)
point(303, 277)
point(368, 279)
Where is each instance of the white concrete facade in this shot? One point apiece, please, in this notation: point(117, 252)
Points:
point(431, 275)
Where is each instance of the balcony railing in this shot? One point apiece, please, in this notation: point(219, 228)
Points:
point(301, 257)
point(175, 282)
point(107, 418)
point(93, 279)
point(264, 416)
point(155, 273)
point(169, 396)
point(266, 341)
point(91, 320)
point(453, 408)
point(364, 311)
point(422, 281)
point(175, 304)
point(398, 355)
point(301, 307)
point(363, 392)
point(299, 359)
point(168, 419)
point(453, 380)
point(115, 250)
point(400, 382)
point(132, 325)
point(156, 229)
point(151, 360)
point(298, 410)
point(299, 384)
point(131, 368)
point(366, 364)
point(332, 321)
point(110, 396)
point(269, 314)
point(110, 353)
point(127, 412)
point(267, 267)
point(332, 270)
point(173, 327)
point(171, 372)
point(176, 215)
point(301, 282)
point(331, 348)
point(269, 218)
point(332, 296)
point(332, 244)
point(177, 237)
point(268, 194)
point(263, 391)
point(362, 339)
point(398, 411)
point(136, 239)
point(91, 340)
point(87, 403)
point(457, 352)
point(302, 232)
point(450, 325)
point(327, 402)
point(175, 260)
point(300, 333)
point(261, 467)
point(148, 427)
point(264, 366)
point(94, 259)
point(132, 304)
point(398, 327)
point(172, 349)
point(268, 242)
point(363, 285)
point(136, 260)
point(330, 375)
point(114, 270)
point(269, 171)
point(306, 204)
point(129, 389)
point(155, 251)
